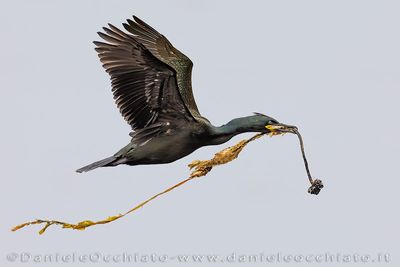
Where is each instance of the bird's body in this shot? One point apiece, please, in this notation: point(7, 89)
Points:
point(151, 83)
point(178, 141)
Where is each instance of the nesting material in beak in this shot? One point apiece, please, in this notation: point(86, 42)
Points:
point(201, 168)
point(279, 128)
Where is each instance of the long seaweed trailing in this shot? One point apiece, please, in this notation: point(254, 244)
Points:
point(199, 168)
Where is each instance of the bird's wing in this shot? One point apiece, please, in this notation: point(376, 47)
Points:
point(161, 48)
point(145, 89)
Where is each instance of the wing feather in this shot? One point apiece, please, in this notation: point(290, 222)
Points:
point(161, 48)
point(145, 88)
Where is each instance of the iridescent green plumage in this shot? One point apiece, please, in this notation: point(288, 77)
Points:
point(151, 83)
point(161, 48)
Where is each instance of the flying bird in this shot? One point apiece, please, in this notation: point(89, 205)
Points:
point(151, 84)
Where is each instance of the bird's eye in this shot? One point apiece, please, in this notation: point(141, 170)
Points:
point(272, 122)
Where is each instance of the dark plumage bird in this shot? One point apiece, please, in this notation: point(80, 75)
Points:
point(151, 83)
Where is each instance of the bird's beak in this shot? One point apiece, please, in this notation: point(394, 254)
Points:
point(280, 128)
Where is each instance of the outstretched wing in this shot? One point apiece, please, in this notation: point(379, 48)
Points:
point(145, 89)
point(161, 48)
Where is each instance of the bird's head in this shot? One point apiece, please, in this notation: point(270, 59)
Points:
point(256, 123)
point(266, 124)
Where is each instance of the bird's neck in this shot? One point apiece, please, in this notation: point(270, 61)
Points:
point(225, 132)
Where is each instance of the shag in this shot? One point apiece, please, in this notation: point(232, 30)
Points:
point(151, 84)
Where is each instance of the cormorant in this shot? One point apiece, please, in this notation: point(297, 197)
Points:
point(151, 84)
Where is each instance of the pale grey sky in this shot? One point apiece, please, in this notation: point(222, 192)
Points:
point(330, 67)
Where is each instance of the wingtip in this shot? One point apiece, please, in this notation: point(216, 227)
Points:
point(138, 20)
point(130, 22)
point(126, 26)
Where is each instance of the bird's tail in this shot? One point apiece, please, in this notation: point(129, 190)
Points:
point(110, 161)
